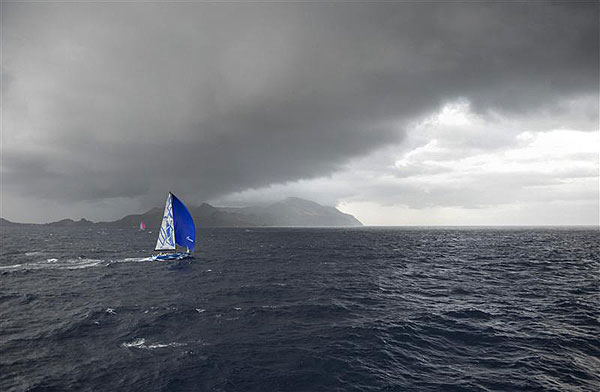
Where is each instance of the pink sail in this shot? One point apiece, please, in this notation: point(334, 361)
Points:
point(142, 225)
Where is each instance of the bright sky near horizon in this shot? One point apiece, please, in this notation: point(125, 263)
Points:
point(547, 177)
point(457, 113)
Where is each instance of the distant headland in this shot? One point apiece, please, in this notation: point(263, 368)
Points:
point(291, 212)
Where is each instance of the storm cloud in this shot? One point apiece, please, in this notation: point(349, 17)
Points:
point(108, 101)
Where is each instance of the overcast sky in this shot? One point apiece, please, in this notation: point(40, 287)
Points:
point(399, 113)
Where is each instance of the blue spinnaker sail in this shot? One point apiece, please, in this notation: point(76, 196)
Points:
point(185, 232)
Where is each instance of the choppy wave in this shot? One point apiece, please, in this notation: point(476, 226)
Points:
point(140, 343)
point(304, 309)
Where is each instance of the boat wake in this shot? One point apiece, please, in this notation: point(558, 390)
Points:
point(69, 263)
point(132, 260)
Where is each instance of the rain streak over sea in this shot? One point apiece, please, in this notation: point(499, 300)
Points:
point(365, 309)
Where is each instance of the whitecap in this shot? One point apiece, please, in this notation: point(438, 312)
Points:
point(161, 345)
point(34, 253)
point(137, 343)
point(141, 344)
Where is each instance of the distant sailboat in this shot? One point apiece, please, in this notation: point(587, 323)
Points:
point(142, 225)
point(177, 228)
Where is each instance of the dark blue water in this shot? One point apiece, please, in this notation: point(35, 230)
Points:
point(301, 310)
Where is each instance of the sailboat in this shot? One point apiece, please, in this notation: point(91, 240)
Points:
point(142, 225)
point(177, 228)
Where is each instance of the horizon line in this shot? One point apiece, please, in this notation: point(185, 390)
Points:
point(594, 225)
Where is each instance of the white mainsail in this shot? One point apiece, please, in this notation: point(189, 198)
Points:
point(166, 236)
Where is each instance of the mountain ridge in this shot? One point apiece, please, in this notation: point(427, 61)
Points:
point(290, 212)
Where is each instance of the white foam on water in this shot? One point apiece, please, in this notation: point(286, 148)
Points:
point(55, 263)
point(133, 259)
point(140, 343)
point(77, 263)
point(70, 264)
point(136, 343)
point(82, 266)
point(34, 253)
point(10, 267)
point(161, 345)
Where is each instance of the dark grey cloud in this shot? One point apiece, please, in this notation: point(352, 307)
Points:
point(108, 100)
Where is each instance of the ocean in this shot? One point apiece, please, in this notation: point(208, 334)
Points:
point(291, 309)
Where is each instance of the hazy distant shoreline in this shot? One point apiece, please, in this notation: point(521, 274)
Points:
point(291, 212)
point(84, 222)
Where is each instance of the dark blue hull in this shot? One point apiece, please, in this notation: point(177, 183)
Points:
point(172, 256)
